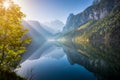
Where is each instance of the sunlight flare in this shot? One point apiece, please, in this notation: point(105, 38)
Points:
point(6, 4)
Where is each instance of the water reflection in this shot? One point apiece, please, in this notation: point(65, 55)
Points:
point(103, 59)
point(73, 61)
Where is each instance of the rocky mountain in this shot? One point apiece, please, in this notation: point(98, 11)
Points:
point(98, 10)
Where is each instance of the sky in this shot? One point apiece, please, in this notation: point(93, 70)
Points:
point(50, 10)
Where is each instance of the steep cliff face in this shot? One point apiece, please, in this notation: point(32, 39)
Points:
point(98, 10)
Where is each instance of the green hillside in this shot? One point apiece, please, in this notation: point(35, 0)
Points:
point(105, 29)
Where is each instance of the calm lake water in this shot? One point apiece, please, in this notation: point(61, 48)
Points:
point(72, 61)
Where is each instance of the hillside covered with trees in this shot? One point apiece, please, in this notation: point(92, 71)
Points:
point(105, 29)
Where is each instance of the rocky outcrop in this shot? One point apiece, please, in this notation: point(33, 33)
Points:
point(98, 10)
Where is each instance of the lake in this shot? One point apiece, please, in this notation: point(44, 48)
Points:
point(72, 61)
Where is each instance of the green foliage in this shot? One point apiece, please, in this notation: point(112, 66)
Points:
point(12, 36)
point(106, 28)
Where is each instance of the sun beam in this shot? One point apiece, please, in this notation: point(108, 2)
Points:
point(6, 4)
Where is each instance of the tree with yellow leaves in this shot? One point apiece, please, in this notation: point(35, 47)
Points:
point(12, 34)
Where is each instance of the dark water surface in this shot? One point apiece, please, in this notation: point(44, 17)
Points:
point(71, 61)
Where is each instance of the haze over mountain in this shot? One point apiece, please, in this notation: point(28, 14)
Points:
point(55, 25)
point(38, 34)
point(89, 39)
point(75, 23)
point(40, 28)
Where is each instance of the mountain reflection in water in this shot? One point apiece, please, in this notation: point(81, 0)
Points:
point(73, 61)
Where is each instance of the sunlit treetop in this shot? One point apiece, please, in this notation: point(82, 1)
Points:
point(9, 11)
point(6, 4)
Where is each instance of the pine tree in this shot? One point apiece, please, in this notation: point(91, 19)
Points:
point(12, 34)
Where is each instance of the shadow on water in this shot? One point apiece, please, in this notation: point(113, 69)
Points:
point(73, 61)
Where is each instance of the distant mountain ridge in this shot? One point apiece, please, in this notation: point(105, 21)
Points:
point(99, 9)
